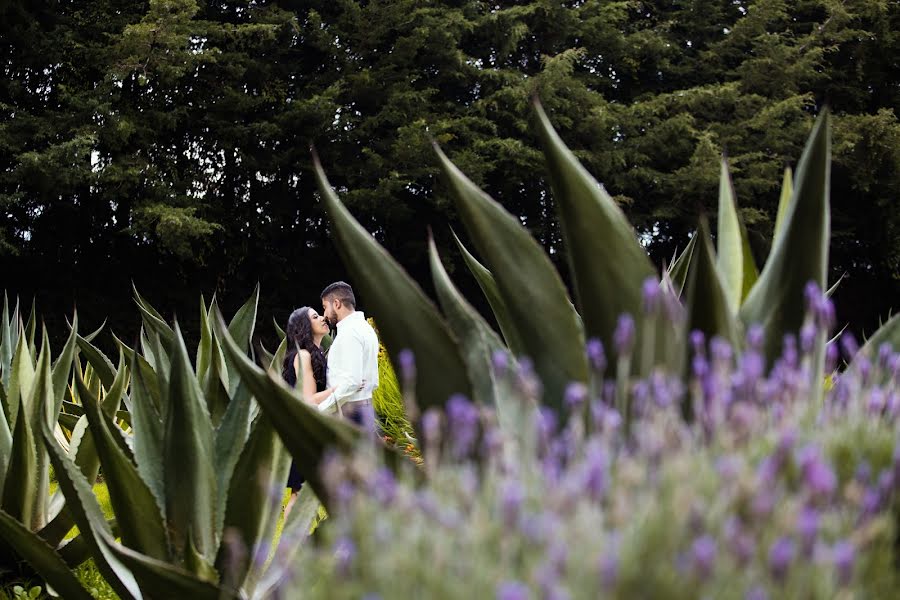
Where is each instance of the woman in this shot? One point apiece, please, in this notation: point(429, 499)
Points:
point(305, 330)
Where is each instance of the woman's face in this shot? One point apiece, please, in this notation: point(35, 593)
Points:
point(319, 325)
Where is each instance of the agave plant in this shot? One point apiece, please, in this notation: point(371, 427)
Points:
point(724, 293)
point(195, 470)
point(33, 522)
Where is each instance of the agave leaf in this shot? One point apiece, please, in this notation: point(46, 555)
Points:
point(489, 287)
point(43, 559)
point(476, 337)
point(190, 480)
point(115, 394)
point(137, 513)
point(6, 439)
point(707, 297)
point(888, 333)
point(555, 341)
point(837, 283)
point(306, 433)
point(31, 329)
point(148, 436)
point(63, 367)
point(154, 323)
point(419, 327)
point(8, 341)
point(21, 380)
point(296, 529)
point(800, 253)
point(203, 348)
point(68, 420)
point(216, 383)
point(93, 335)
point(678, 272)
point(40, 403)
point(244, 321)
point(604, 253)
point(101, 365)
point(231, 436)
point(278, 330)
point(89, 517)
point(254, 497)
point(18, 496)
point(784, 202)
point(165, 579)
point(735, 261)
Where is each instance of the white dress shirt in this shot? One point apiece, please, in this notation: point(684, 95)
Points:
point(352, 363)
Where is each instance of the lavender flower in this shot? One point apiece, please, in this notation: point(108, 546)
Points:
point(431, 425)
point(407, 361)
point(849, 346)
point(384, 486)
point(596, 355)
point(609, 570)
point(463, 419)
point(698, 342)
point(575, 395)
point(739, 541)
point(344, 553)
point(595, 479)
point(757, 593)
point(703, 554)
point(818, 476)
point(808, 529)
point(755, 337)
point(807, 337)
point(623, 337)
point(844, 556)
point(781, 555)
point(651, 294)
point(512, 590)
point(511, 498)
point(500, 361)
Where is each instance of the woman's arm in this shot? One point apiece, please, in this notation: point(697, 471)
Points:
point(304, 362)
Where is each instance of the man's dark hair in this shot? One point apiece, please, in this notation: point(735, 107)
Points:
point(342, 291)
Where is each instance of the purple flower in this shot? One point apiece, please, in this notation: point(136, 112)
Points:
point(698, 341)
point(575, 395)
point(500, 361)
point(824, 314)
point(811, 294)
point(545, 425)
point(623, 337)
point(431, 425)
point(596, 355)
point(789, 351)
point(755, 337)
point(609, 570)
point(703, 554)
point(886, 483)
point(757, 593)
point(807, 337)
point(721, 350)
point(843, 555)
point(739, 541)
point(463, 418)
point(876, 402)
point(512, 590)
point(511, 498)
point(344, 553)
point(650, 292)
point(729, 467)
point(781, 555)
point(384, 486)
point(818, 476)
point(849, 346)
point(595, 480)
point(407, 361)
point(832, 353)
point(863, 473)
point(808, 529)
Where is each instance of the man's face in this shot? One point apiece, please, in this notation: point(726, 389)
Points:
point(329, 311)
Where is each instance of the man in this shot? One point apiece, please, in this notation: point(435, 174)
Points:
point(352, 359)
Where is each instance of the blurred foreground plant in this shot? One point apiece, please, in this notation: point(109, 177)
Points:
point(767, 493)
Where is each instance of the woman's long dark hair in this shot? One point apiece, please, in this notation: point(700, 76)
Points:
point(299, 335)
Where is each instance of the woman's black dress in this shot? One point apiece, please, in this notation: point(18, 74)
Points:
point(295, 480)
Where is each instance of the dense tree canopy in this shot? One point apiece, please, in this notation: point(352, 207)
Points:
point(167, 142)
